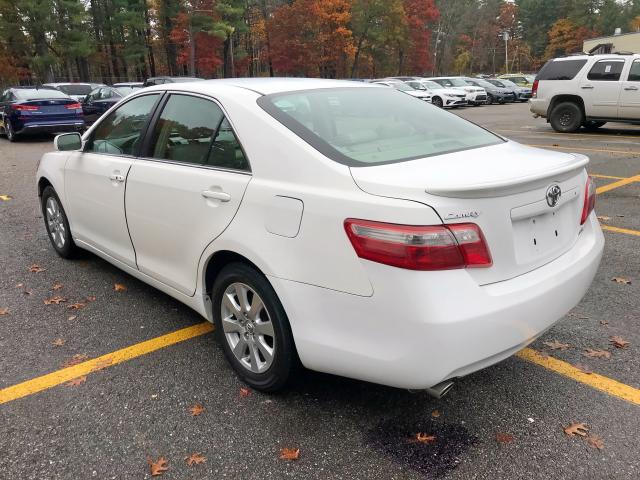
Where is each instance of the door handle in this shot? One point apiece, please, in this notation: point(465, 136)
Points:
point(222, 196)
point(631, 88)
point(116, 178)
point(587, 87)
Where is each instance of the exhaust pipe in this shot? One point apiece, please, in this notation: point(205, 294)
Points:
point(441, 389)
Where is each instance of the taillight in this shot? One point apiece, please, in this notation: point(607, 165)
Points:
point(73, 106)
point(24, 108)
point(589, 200)
point(438, 247)
point(534, 89)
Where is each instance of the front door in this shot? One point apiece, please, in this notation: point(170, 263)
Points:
point(95, 179)
point(600, 88)
point(186, 190)
point(630, 93)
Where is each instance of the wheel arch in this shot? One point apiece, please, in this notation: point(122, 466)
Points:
point(220, 259)
point(43, 182)
point(577, 99)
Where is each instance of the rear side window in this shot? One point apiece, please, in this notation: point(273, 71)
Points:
point(634, 73)
point(372, 126)
point(195, 130)
point(119, 133)
point(606, 70)
point(561, 69)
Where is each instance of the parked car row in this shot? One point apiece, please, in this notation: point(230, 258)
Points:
point(65, 106)
point(458, 91)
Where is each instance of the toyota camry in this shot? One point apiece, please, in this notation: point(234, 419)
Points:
point(340, 226)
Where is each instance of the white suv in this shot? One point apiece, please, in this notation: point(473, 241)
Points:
point(588, 91)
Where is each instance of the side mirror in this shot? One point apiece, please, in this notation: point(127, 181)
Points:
point(67, 141)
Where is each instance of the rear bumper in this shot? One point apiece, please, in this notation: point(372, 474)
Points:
point(420, 328)
point(538, 106)
point(52, 127)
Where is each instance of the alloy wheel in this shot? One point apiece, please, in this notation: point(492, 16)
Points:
point(55, 222)
point(247, 327)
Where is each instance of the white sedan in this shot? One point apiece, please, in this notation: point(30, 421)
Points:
point(336, 225)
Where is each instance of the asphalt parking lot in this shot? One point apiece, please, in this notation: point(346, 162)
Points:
point(104, 381)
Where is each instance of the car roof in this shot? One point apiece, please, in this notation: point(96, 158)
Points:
point(263, 86)
point(66, 83)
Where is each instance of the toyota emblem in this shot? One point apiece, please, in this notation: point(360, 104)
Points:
point(553, 195)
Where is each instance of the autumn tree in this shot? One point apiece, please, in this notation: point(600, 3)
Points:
point(566, 37)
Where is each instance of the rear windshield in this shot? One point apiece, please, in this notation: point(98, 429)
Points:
point(38, 93)
point(561, 69)
point(77, 89)
point(373, 126)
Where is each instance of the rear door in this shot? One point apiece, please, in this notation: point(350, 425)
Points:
point(600, 88)
point(186, 190)
point(95, 179)
point(630, 94)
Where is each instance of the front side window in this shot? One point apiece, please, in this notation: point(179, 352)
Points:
point(195, 130)
point(372, 126)
point(634, 73)
point(606, 70)
point(119, 133)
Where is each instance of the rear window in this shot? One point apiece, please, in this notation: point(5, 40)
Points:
point(38, 93)
point(561, 69)
point(78, 89)
point(373, 126)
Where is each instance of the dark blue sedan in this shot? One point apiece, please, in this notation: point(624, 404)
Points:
point(26, 110)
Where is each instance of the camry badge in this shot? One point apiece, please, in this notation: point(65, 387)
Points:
point(453, 216)
point(553, 195)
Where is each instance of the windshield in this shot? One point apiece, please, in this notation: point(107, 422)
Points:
point(373, 126)
point(432, 85)
point(403, 87)
point(482, 83)
point(38, 93)
point(458, 82)
point(76, 89)
point(124, 91)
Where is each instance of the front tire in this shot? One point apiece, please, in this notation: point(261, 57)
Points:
point(437, 101)
point(253, 328)
point(57, 224)
point(566, 117)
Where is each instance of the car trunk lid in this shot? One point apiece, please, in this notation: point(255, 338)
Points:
point(503, 189)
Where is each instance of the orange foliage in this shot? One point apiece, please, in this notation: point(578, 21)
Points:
point(419, 13)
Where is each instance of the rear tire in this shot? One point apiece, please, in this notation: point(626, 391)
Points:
point(57, 224)
point(566, 117)
point(9, 131)
point(253, 328)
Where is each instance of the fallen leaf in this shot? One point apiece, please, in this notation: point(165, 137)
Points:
point(57, 300)
point(595, 441)
point(76, 306)
point(621, 280)
point(77, 381)
point(91, 299)
point(555, 145)
point(289, 453)
point(435, 413)
point(244, 392)
point(583, 317)
point(72, 317)
point(57, 286)
point(619, 342)
point(27, 292)
point(597, 353)
point(58, 342)
point(5, 198)
point(195, 458)
point(196, 410)
point(35, 268)
point(556, 345)
point(603, 218)
point(19, 285)
point(583, 368)
point(159, 467)
point(4, 311)
point(118, 287)
point(576, 429)
point(425, 438)
point(604, 323)
point(75, 360)
point(504, 437)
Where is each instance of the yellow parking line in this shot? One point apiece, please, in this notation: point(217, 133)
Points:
point(570, 135)
point(620, 230)
point(593, 380)
point(620, 183)
point(581, 149)
point(58, 377)
point(596, 175)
